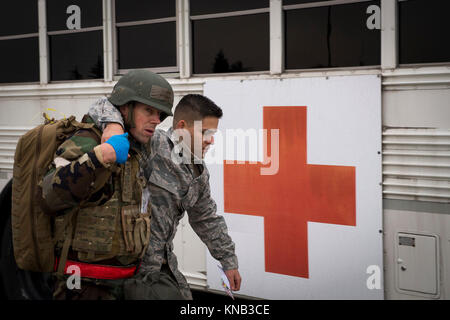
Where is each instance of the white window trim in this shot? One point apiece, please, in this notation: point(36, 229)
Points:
point(321, 4)
point(229, 14)
point(88, 29)
point(20, 36)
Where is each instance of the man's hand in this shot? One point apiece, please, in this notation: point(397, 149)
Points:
point(111, 129)
point(234, 278)
point(108, 153)
point(121, 146)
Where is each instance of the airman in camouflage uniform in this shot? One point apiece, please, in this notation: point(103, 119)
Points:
point(109, 229)
point(176, 188)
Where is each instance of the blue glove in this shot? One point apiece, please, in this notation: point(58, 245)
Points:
point(121, 146)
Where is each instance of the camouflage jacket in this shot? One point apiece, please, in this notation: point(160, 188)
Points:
point(70, 180)
point(174, 189)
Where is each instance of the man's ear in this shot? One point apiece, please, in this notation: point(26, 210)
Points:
point(124, 111)
point(181, 124)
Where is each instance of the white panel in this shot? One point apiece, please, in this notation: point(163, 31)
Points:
point(344, 128)
point(417, 263)
point(421, 223)
point(417, 108)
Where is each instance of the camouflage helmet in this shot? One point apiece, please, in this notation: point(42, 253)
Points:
point(145, 87)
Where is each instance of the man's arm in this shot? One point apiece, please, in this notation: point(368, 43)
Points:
point(107, 118)
point(79, 160)
point(103, 112)
point(213, 231)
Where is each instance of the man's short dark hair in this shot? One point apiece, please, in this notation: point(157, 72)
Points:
point(193, 107)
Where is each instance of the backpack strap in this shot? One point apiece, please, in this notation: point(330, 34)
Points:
point(71, 223)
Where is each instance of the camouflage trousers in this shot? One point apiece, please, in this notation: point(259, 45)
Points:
point(89, 290)
point(153, 286)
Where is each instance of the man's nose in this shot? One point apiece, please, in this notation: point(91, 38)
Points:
point(210, 140)
point(155, 119)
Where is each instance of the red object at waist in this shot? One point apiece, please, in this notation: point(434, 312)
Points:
point(98, 271)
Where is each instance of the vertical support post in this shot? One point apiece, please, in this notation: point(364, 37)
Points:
point(389, 34)
point(276, 37)
point(108, 29)
point(184, 39)
point(43, 43)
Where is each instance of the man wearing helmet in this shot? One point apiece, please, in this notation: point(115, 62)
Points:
point(178, 185)
point(99, 196)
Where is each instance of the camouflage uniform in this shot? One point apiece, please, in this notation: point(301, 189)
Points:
point(174, 189)
point(78, 177)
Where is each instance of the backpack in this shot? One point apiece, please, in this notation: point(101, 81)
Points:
point(32, 228)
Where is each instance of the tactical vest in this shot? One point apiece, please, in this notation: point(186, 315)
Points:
point(120, 228)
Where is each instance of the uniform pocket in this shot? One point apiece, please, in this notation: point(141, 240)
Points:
point(95, 229)
point(191, 197)
point(136, 229)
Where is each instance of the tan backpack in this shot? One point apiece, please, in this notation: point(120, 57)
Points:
point(32, 229)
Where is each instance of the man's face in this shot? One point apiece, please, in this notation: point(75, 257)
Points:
point(202, 136)
point(146, 118)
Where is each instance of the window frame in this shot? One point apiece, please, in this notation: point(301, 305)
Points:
point(319, 4)
point(24, 36)
point(240, 13)
point(44, 48)
point(117, 72)
point(410, 65)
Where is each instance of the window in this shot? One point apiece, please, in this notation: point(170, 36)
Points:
point(146, 34)
point(331, 36)
point(424, 31)
point(75, 39)
point(19, 42)
point(227, 40)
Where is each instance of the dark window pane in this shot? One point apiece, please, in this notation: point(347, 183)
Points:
point(289, 2)
point(18, 17)
point(198, 7)
point(331, 36)
point(233, 44)
point(90, 11)
point(134, 10)
point(19, 60)
point(76, 56)
point(424, 31)
point(147, 46)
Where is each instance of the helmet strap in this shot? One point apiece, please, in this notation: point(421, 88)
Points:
point(130, 117)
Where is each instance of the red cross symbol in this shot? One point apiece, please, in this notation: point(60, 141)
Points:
point(298, 193)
